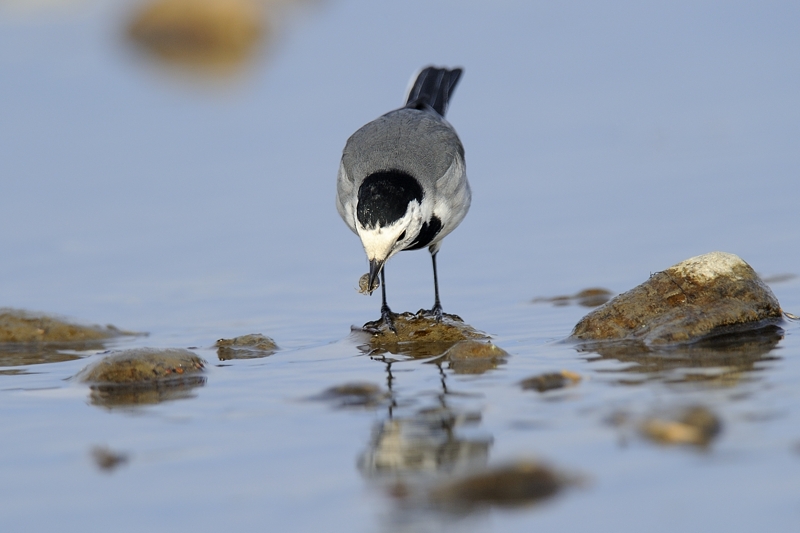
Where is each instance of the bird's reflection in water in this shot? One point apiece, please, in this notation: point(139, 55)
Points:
point(406, 452)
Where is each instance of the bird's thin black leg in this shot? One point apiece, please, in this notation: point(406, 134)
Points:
point(437, 305)
point(386, 313)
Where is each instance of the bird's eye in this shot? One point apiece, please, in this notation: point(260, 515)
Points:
point(401, 237)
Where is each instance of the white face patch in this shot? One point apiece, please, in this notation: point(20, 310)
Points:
point(381, 243)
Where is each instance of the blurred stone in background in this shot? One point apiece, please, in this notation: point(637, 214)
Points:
point(207, 35)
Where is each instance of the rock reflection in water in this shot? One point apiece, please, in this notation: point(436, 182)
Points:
point(735, 355)
point(132, 394)
point(41, 353)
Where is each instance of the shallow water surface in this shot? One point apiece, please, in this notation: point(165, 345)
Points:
point(603, 144)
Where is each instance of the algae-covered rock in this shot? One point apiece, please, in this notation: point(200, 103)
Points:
point(708, 295)
point(474, 357)
point(19, 326)
point(28, 338)
point(250, 346)
point(143, 365)
point(420, 334)
point(143, 376)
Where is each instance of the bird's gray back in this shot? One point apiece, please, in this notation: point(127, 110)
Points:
point(419, 143)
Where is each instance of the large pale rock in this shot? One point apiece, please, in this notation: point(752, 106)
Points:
point(701, 297)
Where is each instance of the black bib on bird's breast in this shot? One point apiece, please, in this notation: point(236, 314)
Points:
point(383, 197)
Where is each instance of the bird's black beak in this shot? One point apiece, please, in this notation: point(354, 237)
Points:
point(375, 267)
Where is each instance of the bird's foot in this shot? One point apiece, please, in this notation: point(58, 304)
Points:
point(388, 318)
point(437, 312)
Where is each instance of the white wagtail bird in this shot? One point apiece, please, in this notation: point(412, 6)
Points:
point(402, 183)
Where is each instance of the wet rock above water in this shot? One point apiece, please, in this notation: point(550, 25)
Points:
point(419, 335)
point(143, 376)
point(19, 326)
point(142, 365)
point(705, 296)
point(28, 338)
point(250, 346)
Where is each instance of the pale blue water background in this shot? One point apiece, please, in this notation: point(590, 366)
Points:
point(603, 143)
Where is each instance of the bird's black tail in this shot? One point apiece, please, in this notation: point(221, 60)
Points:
point(433, 89)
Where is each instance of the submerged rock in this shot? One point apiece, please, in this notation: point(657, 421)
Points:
point(250, 346)
point(143, 376)
point(420, 334)
point(474, 357)
point(550, 381)
point(695, 425)
point(518, 484)
point(356, 394)
point(107, 459)
point(705, 296)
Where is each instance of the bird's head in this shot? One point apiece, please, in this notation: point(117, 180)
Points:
point(389, 216)
point(382, 242)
